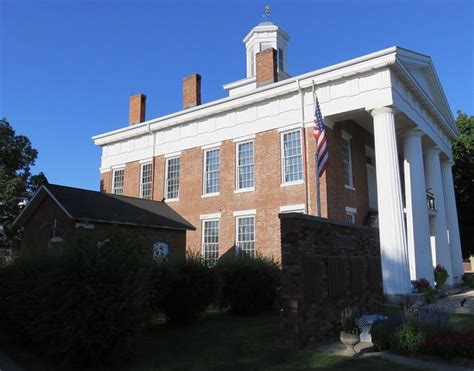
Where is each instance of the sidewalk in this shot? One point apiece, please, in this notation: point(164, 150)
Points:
point(363, 350)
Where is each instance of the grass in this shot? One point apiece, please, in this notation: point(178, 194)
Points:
point(463, 321)
point(222, 342)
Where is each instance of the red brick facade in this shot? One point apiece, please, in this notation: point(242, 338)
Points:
point(137, 109)
point(192, 91)
point(269, 194)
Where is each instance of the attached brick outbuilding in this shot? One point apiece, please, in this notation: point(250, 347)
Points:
point(56, 211)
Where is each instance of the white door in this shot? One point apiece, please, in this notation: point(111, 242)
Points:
point(372, 186)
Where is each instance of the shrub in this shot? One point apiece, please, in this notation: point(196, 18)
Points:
point(423, 286)
point(450, 345)
point(431, 321)
point(248, 285)
point(76, 302)
point(440, 275)
point(407, 338)
point(182, 290)
point(469, 280)
point(382, 332)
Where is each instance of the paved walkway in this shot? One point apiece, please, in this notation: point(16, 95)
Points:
point(452, 303)
point(6, 364)
point(363, 350)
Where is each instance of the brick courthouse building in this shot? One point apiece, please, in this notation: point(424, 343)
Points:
point(231, 166)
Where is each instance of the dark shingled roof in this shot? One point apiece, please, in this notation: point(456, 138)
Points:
point(93, 206)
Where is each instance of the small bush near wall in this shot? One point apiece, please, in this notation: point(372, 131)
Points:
point(182, 290)
point(79, 302)
point(248, 285)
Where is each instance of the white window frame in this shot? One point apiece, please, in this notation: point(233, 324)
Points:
point(347, 138)
point(168, 159)
point(298, 208)
point(281, 61)
point(237, 173)
point(204, 178)
point(351, 215)
point(114, 171)
point(205, 220)
point(141, 180)
point(282, 158)
point(243, 215)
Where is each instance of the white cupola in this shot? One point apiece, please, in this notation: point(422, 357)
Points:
point(267, 35)
point(263, 36)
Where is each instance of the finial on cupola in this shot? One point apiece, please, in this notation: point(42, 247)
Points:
point(266, 13)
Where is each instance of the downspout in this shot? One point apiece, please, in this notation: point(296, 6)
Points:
point(305, 154)
point(152, 162)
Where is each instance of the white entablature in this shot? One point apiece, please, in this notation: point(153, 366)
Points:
point(383, 78)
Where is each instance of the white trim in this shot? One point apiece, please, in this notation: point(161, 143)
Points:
point(173, 154)
point(140, 193)
point(171, 199)
point(244, 138)
point(85, 225)
point(236, 227)
point(146, 161)
point(351, 210)
point(293, 208)
point(290, 127)
point(104, 170)
point(282, 160)
point(118, 167)
point(351, 188)
point(113, 180)
point(243, 190)
point(203, 221)
point(210, 194)
point(210, 216)
point(350, 164)
point(289, 184)
point(236, 186)
point(211, 146)
point(204, 153)
point(167, 159)
point(250, 212)
point(346, 135)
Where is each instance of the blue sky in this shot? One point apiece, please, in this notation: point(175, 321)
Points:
point(67, 68)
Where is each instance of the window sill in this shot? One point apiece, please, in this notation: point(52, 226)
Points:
point(349, 187)
point(243, 190)
point(210, 194)
point(171, 199)
point(288, 184)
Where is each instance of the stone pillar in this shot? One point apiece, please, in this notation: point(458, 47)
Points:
point(452, 221)
point(418, 227)
point(439, 228)
point(393, 245)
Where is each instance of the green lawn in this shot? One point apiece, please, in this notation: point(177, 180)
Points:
point(222, 342)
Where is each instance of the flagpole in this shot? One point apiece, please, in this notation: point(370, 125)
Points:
point(316, 160)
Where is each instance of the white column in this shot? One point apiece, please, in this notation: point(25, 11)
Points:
point(393, 245)
point(418, 227)
point(439, 232)
point(452, 220)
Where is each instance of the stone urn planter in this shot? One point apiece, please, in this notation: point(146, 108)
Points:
point(350, 341)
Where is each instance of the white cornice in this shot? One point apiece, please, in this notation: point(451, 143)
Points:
point(338, 71)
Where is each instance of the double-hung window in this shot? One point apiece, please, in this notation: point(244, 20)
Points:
point(172, 178)
point(146, 179)
point(292, 165)
point(351, 215)
point(117, 181)
point(347, 160)
point(210, 240)
point(212, 173)
point(245, 166)
point(245, 230)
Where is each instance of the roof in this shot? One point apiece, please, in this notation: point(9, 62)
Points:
point(93, 206)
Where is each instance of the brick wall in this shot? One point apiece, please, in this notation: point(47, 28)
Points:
point(266, 67)
point(268, 195)
point(326, 266)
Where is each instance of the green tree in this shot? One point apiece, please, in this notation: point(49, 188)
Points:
point(17, 184)
point(463, 172)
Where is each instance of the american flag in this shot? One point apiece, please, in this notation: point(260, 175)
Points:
point(321, 141)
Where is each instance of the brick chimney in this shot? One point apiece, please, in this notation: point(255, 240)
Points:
point(192, 91)
point(137, 109)
point(266, 67)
